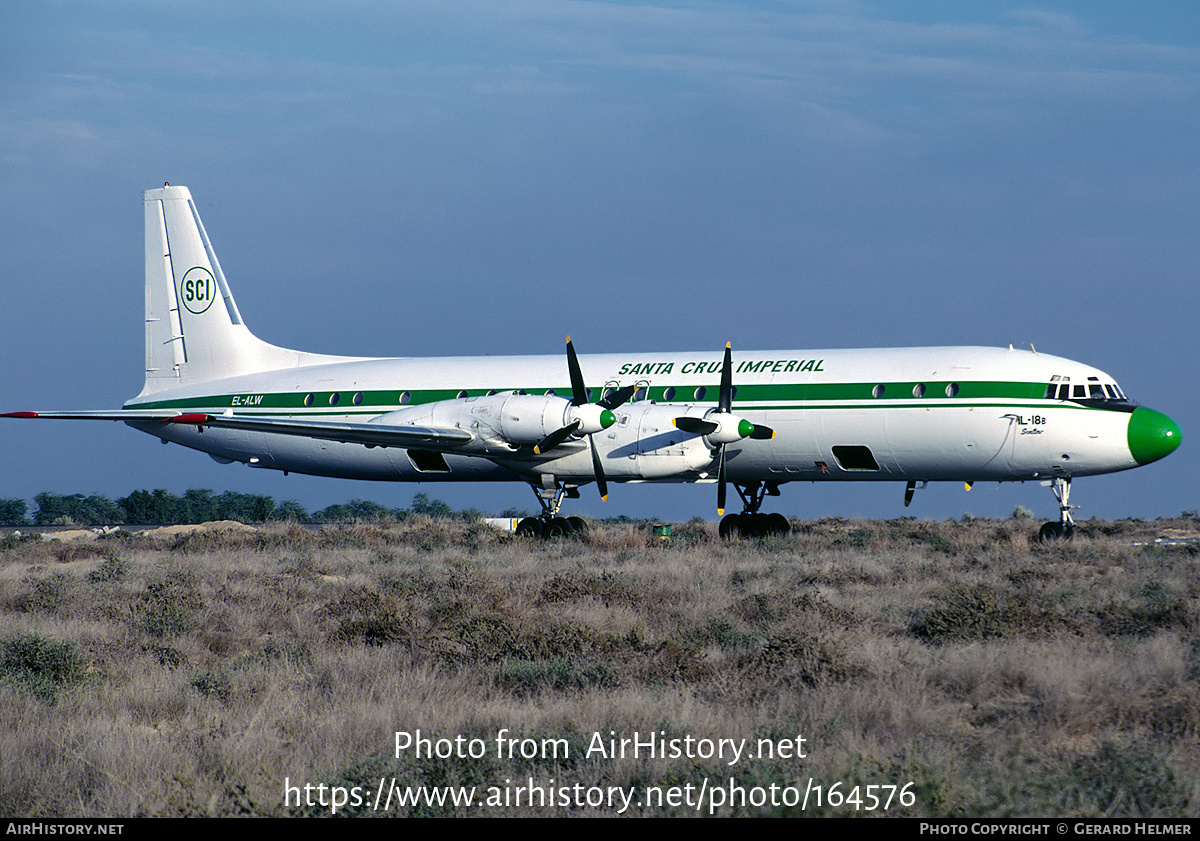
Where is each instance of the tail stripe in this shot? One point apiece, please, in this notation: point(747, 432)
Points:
point(230, 305)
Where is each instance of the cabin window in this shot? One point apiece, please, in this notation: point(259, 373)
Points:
point(879, 391)
point(919, 390)
point(952, 390)
point(1080, 391)
point(640, 394)
point(357, 399)
point(405, 397)
point(700, 392)
point(855, 458)
point(551, 392)
point(461, 394)
point(669, 393)
point(309, 399)
point(335, 398)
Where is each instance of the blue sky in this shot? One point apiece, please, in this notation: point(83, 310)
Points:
point(445, 178)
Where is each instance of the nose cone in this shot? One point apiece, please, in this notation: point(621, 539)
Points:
point(1152, 435)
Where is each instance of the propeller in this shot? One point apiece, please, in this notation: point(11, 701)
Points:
point(723, 427)
point(588, 418)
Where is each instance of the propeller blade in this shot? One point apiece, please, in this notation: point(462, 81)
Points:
point(721, 482)
point(762, 433)
point(617, 397)
point(579, 394)
point(579, 397)
point(601, 481)
point(725, 399)
point(555, 438)
point(699, 426)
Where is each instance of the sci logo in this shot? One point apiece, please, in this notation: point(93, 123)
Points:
point(198, 290)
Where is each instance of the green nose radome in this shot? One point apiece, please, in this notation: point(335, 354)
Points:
point(1151, 435)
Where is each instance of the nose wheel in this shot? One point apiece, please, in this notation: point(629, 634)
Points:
point(1064, 529)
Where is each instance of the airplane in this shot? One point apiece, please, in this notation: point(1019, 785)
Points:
point(910, 415)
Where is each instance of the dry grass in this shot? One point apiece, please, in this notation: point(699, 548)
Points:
point(191, 673)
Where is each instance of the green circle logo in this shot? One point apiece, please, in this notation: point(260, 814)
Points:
point(198, 289)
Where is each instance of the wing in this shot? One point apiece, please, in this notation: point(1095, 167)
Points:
point(447, 439)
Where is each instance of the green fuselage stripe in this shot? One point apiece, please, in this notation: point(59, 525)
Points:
point(751, 397)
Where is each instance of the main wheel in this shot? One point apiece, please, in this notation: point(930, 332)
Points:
point(754, 525)
point(731, 524)
point(1055, 531)
point(777, 524)
point(578, 525)
point(530, 527)
point(558, 527)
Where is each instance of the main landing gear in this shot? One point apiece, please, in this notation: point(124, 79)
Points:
point(750, 523)
point(1064, 529)
point(548, 524)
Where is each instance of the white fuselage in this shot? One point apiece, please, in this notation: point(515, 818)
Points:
point(925, 414)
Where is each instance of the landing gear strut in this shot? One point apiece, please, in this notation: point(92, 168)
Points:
point(750, 523)
point(1064, 529)
point(548, 524)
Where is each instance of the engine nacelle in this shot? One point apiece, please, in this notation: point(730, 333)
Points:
point(509, 417)
point(645, 444)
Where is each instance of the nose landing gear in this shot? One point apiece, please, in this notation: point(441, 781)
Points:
point(1064, 529)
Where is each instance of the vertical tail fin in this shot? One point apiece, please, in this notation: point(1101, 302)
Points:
point(194, 332)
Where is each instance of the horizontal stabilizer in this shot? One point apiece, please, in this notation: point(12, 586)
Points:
point(371, 434)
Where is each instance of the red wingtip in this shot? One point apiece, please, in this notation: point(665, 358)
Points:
point(20, 415)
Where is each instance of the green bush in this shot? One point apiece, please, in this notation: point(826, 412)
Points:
point(46, 667)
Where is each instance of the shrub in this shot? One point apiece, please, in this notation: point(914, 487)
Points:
point(974, 613)
point(526, 677)
point(44, 666)
point(168, 607)
point(366, 615)
point(112, 568)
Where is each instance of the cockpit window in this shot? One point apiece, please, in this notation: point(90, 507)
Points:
point(1060, 388)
